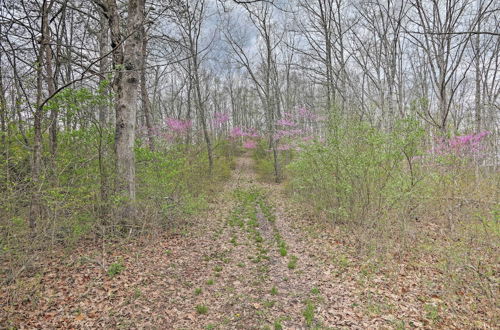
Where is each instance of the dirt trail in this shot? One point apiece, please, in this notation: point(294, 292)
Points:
point(240, 289)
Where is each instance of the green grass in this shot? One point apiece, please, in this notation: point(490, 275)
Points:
point(201, 309)
point(315, 291)
point(197, 291)
point(269, 303)
point(116, 268)
point(258, 238)
point(308, 313)
point(432, 312)
point(210, 282)
point(292, 263)
point(274, 291)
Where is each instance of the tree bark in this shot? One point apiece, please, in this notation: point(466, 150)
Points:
point(126, 104)
point(103, 66)
point(36, 165)
point(126, 62)
point(146, 107)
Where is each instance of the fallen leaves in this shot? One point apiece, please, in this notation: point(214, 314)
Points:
point(157, 284)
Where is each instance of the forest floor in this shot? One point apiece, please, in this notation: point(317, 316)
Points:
point(227, 270)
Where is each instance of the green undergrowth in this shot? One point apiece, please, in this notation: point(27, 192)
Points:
point(264, 162)
point(252, 204)
point(394, 203)
point(78, 198)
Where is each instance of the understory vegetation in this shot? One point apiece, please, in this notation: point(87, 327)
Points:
point(80, 202)
point(394, 202)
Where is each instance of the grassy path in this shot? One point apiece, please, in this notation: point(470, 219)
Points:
point(254, 269)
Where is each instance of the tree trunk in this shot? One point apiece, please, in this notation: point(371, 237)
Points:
point(126, 104)
point(36, 165)
point(201, 109)
point(477, 100)
point(103, 67)
point(3, 113)
point(146, 108)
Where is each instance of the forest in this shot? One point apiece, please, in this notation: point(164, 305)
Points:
point(249, 164)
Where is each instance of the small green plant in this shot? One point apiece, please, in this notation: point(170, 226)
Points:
point(197, 291)
point(432, 312)
point(168, 252)
point(218, 268)
point(257, 259)
point(210, 282)
point(308, 313)
point(274, 291)
point(283, 251)
point(137, 293)
point(292, 263)
point(210, 326)
point(399, 324)
point(315, 291)
point(116, 268)
point(201, 309)
point(241, 264)
point(269, 303)
point(277, 325)
point(342, 261)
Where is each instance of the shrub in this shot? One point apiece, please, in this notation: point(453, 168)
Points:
point(359, 171)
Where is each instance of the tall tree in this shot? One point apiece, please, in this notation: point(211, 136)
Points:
point(127, 50)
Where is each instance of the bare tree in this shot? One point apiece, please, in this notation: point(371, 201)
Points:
point(444, 50)
point(126, 62)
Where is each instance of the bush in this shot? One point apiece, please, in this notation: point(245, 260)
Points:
point(359, 172)
point(394, 200)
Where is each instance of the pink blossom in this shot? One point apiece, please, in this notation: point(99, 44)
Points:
point(252, 132)
point(250, 144)
point(286, 122)
point(287, 133)
point(240, 132)
point(464, 145)
point(308, 138)
point(306, 114)
point(220, 118)
point(236, 132)
point(177, 125)
point(309, 115)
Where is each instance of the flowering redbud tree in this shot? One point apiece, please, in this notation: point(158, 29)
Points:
point(470, 148)
point(296, 129)
point(248, 136)
point(220, 121)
